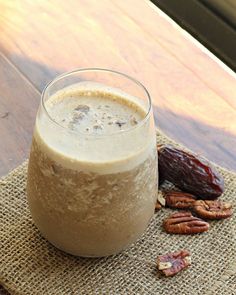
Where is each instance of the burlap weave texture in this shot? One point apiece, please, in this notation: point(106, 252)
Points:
point(29, 265)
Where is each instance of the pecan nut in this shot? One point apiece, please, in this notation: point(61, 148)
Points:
point(161, 198)
point(172, 263)
point(159, 203)
point(157, 206)
point(184, 223)
point(179, 200)
point(212, 209)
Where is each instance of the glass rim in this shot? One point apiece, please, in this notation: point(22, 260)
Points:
point(81, 70)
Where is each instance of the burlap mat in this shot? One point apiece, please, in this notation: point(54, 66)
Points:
point(30, 265)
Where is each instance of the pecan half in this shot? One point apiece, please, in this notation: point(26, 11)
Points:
point(179, 200)
point(212, 209)
point(172, 263)
point(157, 206)
point(161, 199)
point(184, 223)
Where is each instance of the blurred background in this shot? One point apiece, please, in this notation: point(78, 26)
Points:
point(193, 91)
point(212, 22)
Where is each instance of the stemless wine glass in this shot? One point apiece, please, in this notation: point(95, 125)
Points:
point(92, 194)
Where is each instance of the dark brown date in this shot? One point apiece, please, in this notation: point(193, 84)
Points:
point(189, 172)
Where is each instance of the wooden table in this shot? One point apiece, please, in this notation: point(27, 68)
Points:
point(194, 95)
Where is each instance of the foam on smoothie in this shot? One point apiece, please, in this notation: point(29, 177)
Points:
point(98, 129)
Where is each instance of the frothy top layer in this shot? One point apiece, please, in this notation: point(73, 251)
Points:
point(94, 111)
point(86, 109)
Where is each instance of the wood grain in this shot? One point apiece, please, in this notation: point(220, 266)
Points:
point(18, 104)
point(194, 98)
point(191, 54)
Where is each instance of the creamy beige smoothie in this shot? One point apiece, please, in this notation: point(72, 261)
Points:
point(92, 172)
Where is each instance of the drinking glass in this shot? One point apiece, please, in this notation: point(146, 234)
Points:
point(92, 195)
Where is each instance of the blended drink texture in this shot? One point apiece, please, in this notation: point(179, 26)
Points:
point(92, 180)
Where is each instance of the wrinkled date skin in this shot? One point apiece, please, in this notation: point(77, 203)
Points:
point(189, 172)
